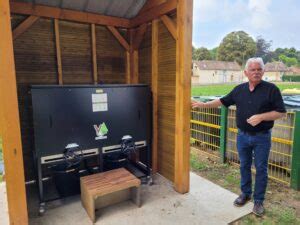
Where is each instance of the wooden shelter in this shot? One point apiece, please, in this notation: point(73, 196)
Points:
point(95, 42)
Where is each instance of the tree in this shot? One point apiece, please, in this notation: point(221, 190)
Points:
point(213, 53)
point(288, 61)
point(201, 54)
point(263, 49)
point(237, 46)
point(194, 53)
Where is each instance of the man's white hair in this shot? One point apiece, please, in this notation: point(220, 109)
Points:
point(255, 60)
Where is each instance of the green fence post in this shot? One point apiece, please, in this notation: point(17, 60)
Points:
point(295, 177)
point(223, 132)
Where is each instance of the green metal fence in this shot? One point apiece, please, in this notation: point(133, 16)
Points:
point(213, 131)
point(206, 130)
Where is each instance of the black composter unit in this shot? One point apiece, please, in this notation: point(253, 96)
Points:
point(84, 129)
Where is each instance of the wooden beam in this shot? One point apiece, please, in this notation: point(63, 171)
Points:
point(27, 23)
point(154, 87)
point(66, 14)
point(154, 13)
point(171, 25)
point(135, 67)
point(128, 67)
point(94, 53)
point(119, 37)
point(183, 95)
point(10, 124)
point(58, 52)
point(150, 4)
point(139, 36)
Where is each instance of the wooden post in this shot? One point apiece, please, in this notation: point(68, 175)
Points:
point(94, 53)
point(183, 94)
point(154, 94)
point(135, 66)
point(58, 52)
point(10, 124)
point(128, 67)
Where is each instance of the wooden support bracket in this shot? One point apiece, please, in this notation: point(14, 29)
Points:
point(119, 37)
point(25, 25)
point(171, 25)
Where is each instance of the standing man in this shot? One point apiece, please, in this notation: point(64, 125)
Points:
point(258, 104)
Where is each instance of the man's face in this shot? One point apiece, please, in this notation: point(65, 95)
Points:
point(254, 72)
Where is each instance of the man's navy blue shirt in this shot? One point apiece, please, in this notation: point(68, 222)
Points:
point(264, 98)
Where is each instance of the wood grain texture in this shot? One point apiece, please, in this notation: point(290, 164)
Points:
point(107, 182)
point(154, 13)
point(166, 102)
point(66, 14)
point(35, 60)
point(150, 4)
point(76, 53)
point(145, 57)
point(58, 52)
point(170, 24)
point(183, 95)
point(10, 124)
point(111, 58)
point(119, 37)
point(154, 82)
point(94, 52)
point(27, 23)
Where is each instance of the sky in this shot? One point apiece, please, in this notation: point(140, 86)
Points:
point(275, 20)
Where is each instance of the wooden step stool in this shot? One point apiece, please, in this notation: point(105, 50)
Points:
point(103, 189)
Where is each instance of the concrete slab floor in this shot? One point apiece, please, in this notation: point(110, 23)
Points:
point(206, 203)
point(3, 205)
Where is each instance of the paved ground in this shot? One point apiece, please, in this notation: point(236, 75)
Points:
point(3, 205)
point(206, 204)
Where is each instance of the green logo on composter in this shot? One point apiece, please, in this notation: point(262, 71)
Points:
point(101, 131)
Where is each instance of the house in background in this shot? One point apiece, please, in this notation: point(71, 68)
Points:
point(293, 71)
point(215, 72)
point(274, 71)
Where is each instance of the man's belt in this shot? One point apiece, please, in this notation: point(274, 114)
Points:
point(254, 133)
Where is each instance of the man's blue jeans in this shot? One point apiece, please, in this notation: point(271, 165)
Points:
point(258, 147)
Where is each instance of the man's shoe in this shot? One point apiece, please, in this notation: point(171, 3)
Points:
point(241, 200)
point(258, 209)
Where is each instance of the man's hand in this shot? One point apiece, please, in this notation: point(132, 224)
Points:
point(196, 104)
point(255, 120)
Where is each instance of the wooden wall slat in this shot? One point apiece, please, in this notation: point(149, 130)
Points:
point(111, 58)
point(76, 53)
point(35, 60)
point(145, 60)
point(166, 101)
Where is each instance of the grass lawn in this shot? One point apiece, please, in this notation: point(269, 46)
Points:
point(281, 204)
point(223, 89)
